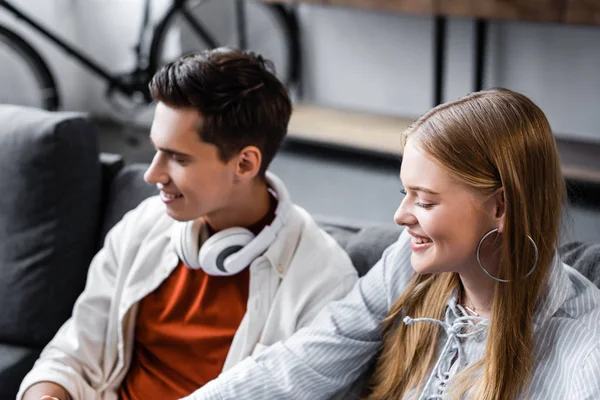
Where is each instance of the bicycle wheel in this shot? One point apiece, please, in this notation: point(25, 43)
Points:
point(270, 31)
point(24, 77)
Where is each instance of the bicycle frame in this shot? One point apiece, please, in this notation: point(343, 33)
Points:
point(136, 82)
point(88, 62)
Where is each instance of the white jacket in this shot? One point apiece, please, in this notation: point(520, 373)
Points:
point(290, 283)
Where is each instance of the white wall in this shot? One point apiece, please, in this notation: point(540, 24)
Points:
point(109, 30)
point(383, 62)
point(58, 15)
point(358, 59)
point(557, 66)
point(104, 30)
point(367, 60)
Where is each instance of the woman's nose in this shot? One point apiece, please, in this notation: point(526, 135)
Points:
point(403, 215)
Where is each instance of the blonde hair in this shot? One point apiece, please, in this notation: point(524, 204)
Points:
point(489, 140)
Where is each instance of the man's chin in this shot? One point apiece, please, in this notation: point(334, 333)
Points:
point(181, 216)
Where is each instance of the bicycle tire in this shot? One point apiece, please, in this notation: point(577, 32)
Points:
point(286, 19)
point(49, 97)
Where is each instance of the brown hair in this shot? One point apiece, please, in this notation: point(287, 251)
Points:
point(238, 95)
point(489, 140)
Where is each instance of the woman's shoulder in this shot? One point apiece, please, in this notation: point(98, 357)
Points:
point(567, 332)
point(576, 320)
point(583, 306)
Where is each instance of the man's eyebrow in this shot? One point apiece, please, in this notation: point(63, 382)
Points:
point(421, 189)
point(170, 151)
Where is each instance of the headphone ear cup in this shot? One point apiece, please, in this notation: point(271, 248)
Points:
point(186, 241)
point(215, 252)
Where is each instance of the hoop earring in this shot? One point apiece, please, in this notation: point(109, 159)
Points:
point(494, 277)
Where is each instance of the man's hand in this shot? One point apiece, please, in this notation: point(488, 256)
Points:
point(46, 391)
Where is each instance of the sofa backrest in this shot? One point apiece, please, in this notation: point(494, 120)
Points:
point(127, 190)
point(49, 218)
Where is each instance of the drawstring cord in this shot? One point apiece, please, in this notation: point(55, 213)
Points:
point(455, 333)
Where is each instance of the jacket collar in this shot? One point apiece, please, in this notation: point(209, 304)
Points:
point(281, 251)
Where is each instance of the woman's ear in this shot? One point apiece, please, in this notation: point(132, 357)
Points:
point(500, 209)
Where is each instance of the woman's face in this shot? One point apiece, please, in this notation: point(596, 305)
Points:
point(445, 218)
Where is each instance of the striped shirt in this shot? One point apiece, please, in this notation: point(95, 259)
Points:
point(324, 358)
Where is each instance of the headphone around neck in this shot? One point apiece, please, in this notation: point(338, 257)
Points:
point(231, 250)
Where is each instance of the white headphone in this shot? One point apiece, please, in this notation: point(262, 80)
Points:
point(231, 250)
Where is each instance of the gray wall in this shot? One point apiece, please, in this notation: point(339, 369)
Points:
point(366, 60)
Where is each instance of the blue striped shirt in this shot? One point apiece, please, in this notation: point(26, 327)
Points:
point(324, 358)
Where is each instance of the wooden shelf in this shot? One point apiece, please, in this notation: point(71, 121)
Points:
point(358, 130)
point(361, 131)
point(584, 12)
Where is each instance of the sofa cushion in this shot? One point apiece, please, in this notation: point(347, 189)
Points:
point(127, 191)
point(366, 247)
point(49, 222)
point(111, 166)
point(363, 245)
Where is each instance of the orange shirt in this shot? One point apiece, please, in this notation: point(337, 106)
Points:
point(184, 330)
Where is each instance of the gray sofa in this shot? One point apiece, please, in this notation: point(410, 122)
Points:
point(60, 198)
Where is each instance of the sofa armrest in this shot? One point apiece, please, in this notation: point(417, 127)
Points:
point(111, 165)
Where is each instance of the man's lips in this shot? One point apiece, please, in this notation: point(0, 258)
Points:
point(169, 197)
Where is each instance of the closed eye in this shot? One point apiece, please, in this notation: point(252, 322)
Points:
point(178, 159)
point(426, 206)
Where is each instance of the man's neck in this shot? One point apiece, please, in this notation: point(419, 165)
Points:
point(247, 208)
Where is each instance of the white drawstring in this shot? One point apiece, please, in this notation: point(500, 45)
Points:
point(455, 333)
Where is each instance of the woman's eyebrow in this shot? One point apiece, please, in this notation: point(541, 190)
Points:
point(421, 189)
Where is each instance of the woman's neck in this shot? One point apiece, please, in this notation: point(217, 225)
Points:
point(477, 293)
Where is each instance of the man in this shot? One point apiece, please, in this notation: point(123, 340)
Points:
point(217, 267)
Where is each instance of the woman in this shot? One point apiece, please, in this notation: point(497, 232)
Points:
point(472, 300)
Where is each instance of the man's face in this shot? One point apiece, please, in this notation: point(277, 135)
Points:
point(192, 180)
